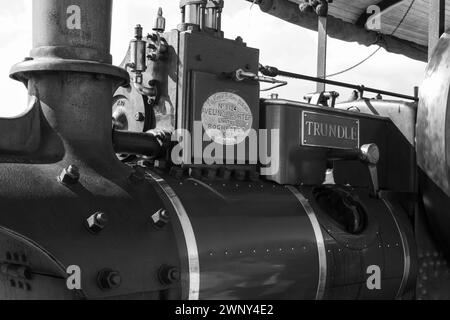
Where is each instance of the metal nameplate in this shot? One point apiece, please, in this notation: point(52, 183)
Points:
point(328, 131)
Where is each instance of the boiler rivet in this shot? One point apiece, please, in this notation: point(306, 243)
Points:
point(108, 279)
point(168, 275)
point(139, 117)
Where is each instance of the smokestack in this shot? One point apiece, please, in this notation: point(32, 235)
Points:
point(69, 71)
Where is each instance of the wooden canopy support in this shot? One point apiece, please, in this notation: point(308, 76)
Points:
point(436, 27)
point(322, 52)
point(383, 5)
point(343, 30)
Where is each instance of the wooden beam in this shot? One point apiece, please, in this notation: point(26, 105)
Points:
point(322, 52)
point(342, 30)
point(436, 25)
point(383, 5)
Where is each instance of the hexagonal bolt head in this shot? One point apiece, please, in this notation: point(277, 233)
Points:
point(108, 279)
point(139, 117)
point(168, 275)
point(224, 173)
point(70, 175)
point(161, 218)
point(176, 172)
point(97, 222)
point(210, 174)
point(240, 175)
point(254, 176)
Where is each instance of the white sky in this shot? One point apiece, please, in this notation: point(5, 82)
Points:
point(283, 45)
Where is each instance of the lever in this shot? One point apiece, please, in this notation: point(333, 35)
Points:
point(368, 154)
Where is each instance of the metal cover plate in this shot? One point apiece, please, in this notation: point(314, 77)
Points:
point(328, 131)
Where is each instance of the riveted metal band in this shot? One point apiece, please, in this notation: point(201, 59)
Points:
point(319, 240)
point(406, 252)
point(189, 236)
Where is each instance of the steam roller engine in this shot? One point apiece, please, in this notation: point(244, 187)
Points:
point(198, 189)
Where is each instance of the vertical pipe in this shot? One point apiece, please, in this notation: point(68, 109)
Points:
point(71, 75)
point(72, 29)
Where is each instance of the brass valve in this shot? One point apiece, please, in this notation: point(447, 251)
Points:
point(160, 22)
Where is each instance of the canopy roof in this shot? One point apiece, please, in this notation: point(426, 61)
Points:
point(403, 23)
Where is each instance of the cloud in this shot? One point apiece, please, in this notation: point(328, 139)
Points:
point(281, 44)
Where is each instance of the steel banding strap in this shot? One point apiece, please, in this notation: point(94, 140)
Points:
point(406, 252)
point(319, 240)
point(189, 236)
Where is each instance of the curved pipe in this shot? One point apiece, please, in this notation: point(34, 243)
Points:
point(136, 143)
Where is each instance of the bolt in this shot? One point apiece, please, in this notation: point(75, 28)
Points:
point(161, 218)
point(210, 174)
point(177, 172)
point(17, 271)
point(97, 222)
point(108, 279)
point(254, 176)
point(168, 275)
point(224, 173)
point(139, 117)
point(70, 175)
point(240, 175)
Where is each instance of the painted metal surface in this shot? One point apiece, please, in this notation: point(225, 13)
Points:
point(403, 114)
point(433, 144)
point(433, 140)
point(319, 240)
point(74, 105)
point(193, 285)
point(233, 236)
point(45, 275)
point(406, 252)
point(251, 245)
point(379, 244)
point(328, 131)
point(72, 29)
